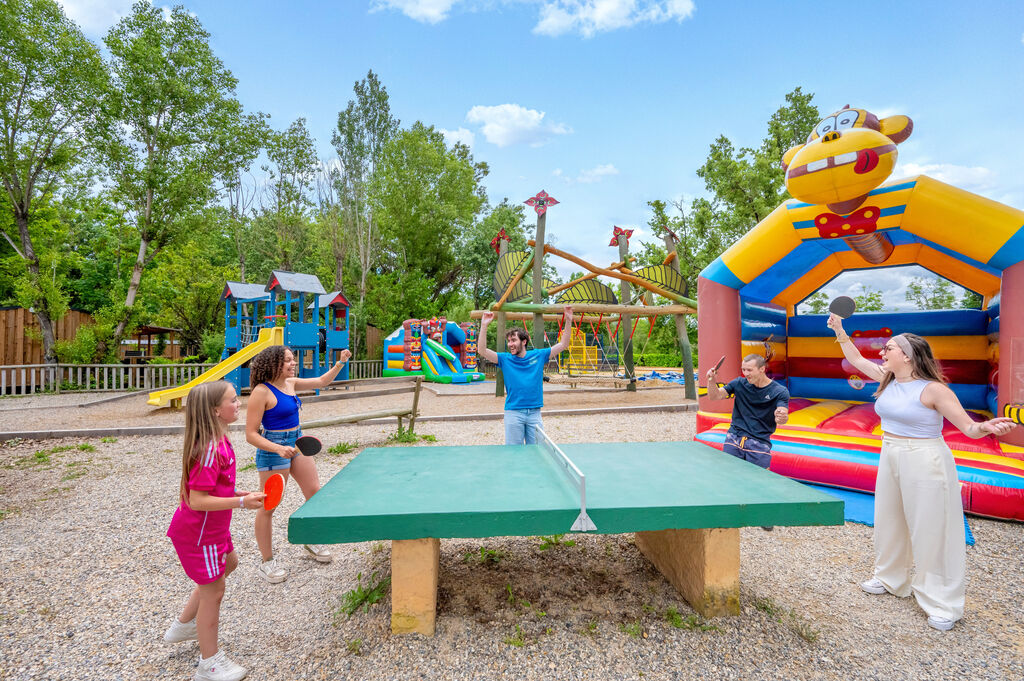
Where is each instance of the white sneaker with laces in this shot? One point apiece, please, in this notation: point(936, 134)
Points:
point(219, 668)
point(873, 586)
point(321, 554)
point(181, 631)
point(269, 571)
point(940, 623)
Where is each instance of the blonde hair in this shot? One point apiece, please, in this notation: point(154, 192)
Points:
point(922, 361)
point(202, 427)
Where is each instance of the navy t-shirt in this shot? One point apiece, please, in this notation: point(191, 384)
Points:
point(753, 411)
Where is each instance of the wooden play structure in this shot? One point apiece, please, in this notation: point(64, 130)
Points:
point(596, 306)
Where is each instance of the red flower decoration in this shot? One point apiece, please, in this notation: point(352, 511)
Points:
point(615, 235)
point(541, 202)
point(832, 226)
point(496, 241)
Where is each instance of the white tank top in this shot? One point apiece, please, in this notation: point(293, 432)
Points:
point(902, 413)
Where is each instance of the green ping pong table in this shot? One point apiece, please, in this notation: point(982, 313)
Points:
point(684, 500)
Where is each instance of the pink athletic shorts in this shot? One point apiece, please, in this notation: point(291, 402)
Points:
point(203, 563)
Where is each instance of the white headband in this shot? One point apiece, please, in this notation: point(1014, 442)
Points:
point(905, 345)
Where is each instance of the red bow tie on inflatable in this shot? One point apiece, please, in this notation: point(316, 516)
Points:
point(615, 235)
point(863, 221)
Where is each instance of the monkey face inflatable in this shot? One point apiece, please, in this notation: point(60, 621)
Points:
point(849, 153)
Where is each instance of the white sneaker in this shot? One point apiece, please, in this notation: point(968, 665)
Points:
point(940, 623)
point(873, 586)
point(181, 631)
point(219, 668)
point(269, 571)
point(321, 554)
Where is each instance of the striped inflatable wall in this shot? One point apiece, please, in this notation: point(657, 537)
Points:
point(763, 332)
point(991, 397)
point(960, 340)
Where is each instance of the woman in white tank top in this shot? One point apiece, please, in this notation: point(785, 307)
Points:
point(919, 519)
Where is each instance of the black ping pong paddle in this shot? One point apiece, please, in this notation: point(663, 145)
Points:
point(308, 445)
point(843, 306)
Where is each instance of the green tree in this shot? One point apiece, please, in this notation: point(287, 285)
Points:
point(817, 303)
point(931, 293)
point(364, 127)
point(423, 195)
point(478, 260)
point(869, 300)
point(177, 116)
point(52, 83)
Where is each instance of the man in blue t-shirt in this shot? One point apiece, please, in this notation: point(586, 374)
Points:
point(760, 405)
point(523, 372)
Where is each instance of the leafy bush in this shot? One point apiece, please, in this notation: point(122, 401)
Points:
point(82, 348)
point(651, 359)
point(161, 360)
point(212, 345)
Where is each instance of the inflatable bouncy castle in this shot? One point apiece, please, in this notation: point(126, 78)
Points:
point(846, 217)
point(440, 351)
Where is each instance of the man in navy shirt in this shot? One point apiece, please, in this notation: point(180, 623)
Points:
point(760, 405)
point(523, 372)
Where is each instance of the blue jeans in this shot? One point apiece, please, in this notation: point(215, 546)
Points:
point(519, 424)
point(269, 461)
point(749, 449)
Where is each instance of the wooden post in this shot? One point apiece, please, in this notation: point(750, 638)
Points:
point(538, 281)
point(702, 564)
point(626, 298)
point(414, 571)
point(684, 337)
point(415, 404)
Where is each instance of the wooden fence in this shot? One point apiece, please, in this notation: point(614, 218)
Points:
point(365, 368)
point(19, 331)
point(30, 378)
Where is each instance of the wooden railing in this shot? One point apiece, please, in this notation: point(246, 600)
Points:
point(26, 379)
point(365, 368)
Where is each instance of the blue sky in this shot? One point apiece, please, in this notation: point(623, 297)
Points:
point(608, 104)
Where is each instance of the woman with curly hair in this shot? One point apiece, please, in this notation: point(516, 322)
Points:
point(272, 426)
point(919, 516)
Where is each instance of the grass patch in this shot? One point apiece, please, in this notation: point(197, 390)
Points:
point(4, 512)
point(86, 447)
point(342, 448)
point(406, 436)
point(355, 646)
point(797, 624)
point(74, 474)
point(248, 467)
point(364, 595)
point(590, 628)
point(632, 629)
point(516, 640)
point(108, 440)
point(690, 622)
point(61, 448)
point(555, 540)
point(486, 556)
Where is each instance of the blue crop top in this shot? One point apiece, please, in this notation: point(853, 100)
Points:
point(285, 414)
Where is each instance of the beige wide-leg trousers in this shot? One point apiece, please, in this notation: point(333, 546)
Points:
point(919, 521)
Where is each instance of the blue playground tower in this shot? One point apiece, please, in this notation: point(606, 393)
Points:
point(315, 333)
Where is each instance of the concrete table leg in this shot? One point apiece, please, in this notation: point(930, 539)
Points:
point(702, 564)
point(414, 570)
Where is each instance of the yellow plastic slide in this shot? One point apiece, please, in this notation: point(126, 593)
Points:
point(267, 337)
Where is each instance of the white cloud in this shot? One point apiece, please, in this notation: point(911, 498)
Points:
point(596, 174)
point(589, 17)
point(975, 179)
point(508, 124)
point(462, 136)
point(96, 16)
point(426, 11)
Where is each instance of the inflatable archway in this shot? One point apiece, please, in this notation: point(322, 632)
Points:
point(845, 217)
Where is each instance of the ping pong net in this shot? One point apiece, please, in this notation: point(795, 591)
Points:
point(575, 476)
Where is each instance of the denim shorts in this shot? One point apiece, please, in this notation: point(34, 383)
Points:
point(270, 461)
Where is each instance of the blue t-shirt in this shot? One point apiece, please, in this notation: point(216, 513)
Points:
point(524, 378)
point(753, 412)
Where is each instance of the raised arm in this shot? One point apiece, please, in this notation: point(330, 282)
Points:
point(850, 351)
point(942, 399)
point(481, 341)
point(325, 378)
point(563, 342)
point(714, 392)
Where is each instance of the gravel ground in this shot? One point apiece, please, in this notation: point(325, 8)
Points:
point(89, 584)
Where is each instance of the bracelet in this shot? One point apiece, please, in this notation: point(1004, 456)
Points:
point(241, 502)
